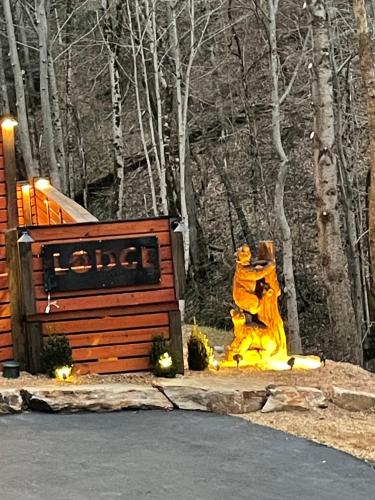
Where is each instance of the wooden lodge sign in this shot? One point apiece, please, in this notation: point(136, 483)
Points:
point(101, 264)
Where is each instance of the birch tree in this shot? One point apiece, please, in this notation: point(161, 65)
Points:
point(69, 113)
point(294, 339)
point(4, 100)
point(159, 82)
point(366, 59)
point(138, 101)
point(29, 86)
point(182, 81)
point(346, 340)
point(48, 136)
point(113, 16)
point(23, 126)
point(56, 123)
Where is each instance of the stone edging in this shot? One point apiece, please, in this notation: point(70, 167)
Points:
point(184, 394)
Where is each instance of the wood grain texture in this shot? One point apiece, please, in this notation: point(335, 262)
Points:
point(114, 366)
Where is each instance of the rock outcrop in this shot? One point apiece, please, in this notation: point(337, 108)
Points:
point(350, 399)
point(10, 401)
point(208, 396)
point(284, 397)
point(98, 398)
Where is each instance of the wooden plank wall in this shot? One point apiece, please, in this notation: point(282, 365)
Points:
point(6, 350)
point(109, 330)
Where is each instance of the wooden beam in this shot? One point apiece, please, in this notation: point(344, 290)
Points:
point(178, 263)
point(10, 174)
point(16, 303)
point(34, 336)
point(176, 339)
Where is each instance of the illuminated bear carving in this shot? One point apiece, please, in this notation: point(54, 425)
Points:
point(258, 328)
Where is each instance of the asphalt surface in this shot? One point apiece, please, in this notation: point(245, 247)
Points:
point(168, 455)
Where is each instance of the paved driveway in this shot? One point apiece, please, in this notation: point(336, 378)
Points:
point(165, 456)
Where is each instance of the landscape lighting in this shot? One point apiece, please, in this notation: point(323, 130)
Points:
point(63, 373)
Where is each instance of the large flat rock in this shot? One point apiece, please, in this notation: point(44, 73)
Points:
point(285, 397)
point(10, 401)
point(99, 398)
point(350, 399)
point(212, 395)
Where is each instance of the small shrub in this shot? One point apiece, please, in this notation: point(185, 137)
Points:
point(199, 351)
point(161, 351)
point(56, 353)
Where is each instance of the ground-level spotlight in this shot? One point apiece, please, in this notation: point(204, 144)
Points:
point(165, 361)
point(63, 373)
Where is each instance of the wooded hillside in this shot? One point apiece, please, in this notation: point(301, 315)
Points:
point(246, 118)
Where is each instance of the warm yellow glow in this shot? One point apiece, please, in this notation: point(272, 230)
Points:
point(214, 364)
point(299, 363)
point(63, 373)
point(259, 336)
point(165, 361)
point(42, 184)
point(26, 189)
point(9, 122)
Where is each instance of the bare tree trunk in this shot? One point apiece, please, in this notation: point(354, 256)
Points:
point(118, 138)
point(116, 97)
point(49, 142)
point(157, 78)
point(346, 185)
point(82, 154)
point(368, 78)
point(294, 338)
point(4, 100)
point(69, 113)
point(181, 100)
point(29, 87)
point(139, 113)
point(56, 123)
point(346, 340)
point(23, 127)
point(141, 51)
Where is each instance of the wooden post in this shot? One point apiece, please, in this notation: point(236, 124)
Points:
point(175, 332)
point(34, 338)
point(16, 304)
point(177, 245)
point(7, 128)
point(26, 204)
point(179, 284)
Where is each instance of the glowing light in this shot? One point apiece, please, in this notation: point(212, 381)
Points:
point(42, 184)
point(9, 122)
point(26, 189)
point(215, 364)
point(165, 361)
point(63, 373)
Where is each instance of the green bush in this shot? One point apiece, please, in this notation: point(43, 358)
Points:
point(199, 350)
point(56, 354)
point(161, 350)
